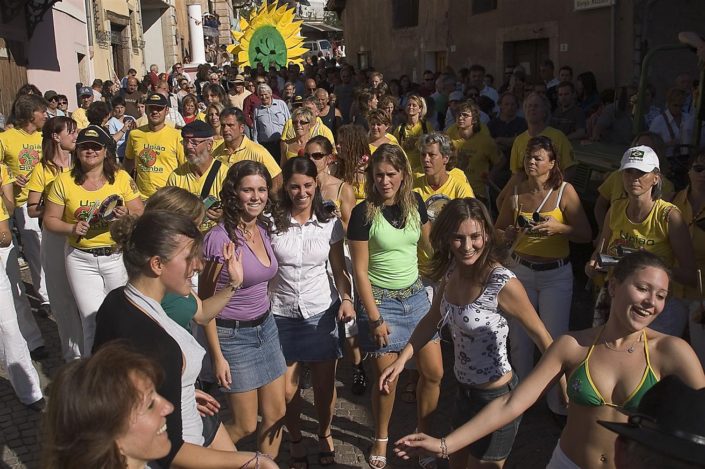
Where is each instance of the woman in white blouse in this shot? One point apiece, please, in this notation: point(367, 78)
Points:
point(305, 303)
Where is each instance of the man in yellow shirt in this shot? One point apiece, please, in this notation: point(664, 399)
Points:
point(154, 151)
point(21, 150)
point(536, 111)
point(201, 175)
point(319, 128)
point(477, 152)
point(85, 98)
point(237, 147)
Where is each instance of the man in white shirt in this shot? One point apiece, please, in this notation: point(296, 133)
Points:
point(673, 125)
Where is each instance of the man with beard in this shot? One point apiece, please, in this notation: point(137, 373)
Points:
point(201, 175)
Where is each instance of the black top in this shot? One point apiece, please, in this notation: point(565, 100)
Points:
point(499, 128)
point(119, 318)
point(359, 229)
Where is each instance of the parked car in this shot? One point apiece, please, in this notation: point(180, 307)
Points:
point(322, 46)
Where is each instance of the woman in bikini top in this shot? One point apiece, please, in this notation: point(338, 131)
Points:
point(605, 365)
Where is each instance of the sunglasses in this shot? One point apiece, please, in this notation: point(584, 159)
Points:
point(524, 222)
point(698, 168)
point(300, 122)
point(91, 146)
point(315, 156)
point(65, 103)
point(156, 108)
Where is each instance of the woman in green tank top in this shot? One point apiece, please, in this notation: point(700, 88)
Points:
point(608, 367)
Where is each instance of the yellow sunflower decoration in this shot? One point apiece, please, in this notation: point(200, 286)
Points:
point(270, 35)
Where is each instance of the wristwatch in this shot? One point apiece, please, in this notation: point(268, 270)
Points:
point(377, 323)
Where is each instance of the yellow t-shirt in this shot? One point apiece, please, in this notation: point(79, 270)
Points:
point(409, 135)
point(79, 115)
point(184, 178)
point(481, 153)
point(698, 236)
point(613, 187)
point(456, 187)
point(80, 203)
point(563, 147)
point(392, 141)
point(319, 128)
point(156, 155)
point(20, 151)
point(3, 212)
point(41, 180)
point(248, 150)
point(650, 235)
point(6, 175)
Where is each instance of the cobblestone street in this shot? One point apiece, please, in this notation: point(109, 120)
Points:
point(19, 427)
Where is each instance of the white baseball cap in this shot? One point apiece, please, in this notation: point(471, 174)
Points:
point(642, 158)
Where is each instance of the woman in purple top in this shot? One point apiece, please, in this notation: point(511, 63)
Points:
point(243, 341)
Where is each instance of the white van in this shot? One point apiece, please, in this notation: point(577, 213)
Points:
point(322, 46)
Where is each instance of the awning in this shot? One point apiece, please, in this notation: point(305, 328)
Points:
point(320, 26)
point(33, 11)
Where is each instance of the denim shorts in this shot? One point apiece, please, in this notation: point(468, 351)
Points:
point(497, 445)
point(401, 317)
point(254, 355)
point(313, 339)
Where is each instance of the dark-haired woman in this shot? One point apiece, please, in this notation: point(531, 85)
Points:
point(80, 205)
point(384, 234)
point(20, 150)
point(243, 341)
point(58, 143)
point(544, 214)
point(77, 435)
point(609, 370)
point(305, 304)
point(477, 297)
point(161, 251)
point(333, 190)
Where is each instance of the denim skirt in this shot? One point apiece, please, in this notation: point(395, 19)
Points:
point(401, 315)
point(253, 353)
point(497, 445)
point(313, 339)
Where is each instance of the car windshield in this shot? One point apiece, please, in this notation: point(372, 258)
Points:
point(324, 45)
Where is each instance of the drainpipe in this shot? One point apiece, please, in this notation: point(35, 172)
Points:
point(195, 29)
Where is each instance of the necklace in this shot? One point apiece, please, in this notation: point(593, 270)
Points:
point(247, 234)
point(629, 349)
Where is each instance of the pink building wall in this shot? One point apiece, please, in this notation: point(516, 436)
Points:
point(54, 51)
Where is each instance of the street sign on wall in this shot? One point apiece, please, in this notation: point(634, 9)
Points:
point(590, 4)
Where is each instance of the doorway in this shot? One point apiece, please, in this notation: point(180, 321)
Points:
point(529, 54)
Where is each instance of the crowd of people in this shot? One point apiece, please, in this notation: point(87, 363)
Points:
point(242, 231)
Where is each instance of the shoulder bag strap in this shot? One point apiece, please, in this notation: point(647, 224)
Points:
point(210, 179)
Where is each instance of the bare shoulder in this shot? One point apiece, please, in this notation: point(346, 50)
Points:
point(667, 344)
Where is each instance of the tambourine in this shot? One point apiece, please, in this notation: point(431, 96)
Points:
point(435, 204)
point(106, 210)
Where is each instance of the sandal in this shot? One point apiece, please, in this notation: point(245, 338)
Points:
point(408, 394)
point(326, 458)
point(373, 460)
point(297, 462)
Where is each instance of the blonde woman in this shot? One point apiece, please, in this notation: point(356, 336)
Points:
point(415, 126)
point(302, 118)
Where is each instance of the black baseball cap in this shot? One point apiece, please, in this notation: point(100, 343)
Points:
point(156, 99)
point(94, 134)
point(197, 129)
